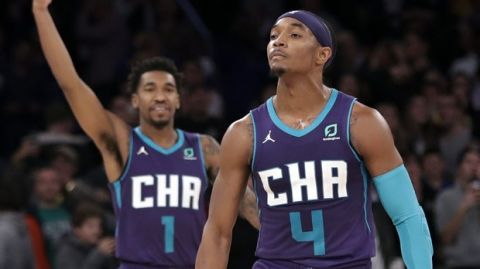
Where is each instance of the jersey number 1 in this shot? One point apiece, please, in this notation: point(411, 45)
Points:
point(316, 235)
point(169, 226)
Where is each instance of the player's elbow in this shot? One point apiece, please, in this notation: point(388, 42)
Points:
point(217, 232)
point(68, 83)
point(215, 246)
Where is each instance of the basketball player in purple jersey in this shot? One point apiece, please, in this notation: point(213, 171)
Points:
point(158, 174)
point(312, 152)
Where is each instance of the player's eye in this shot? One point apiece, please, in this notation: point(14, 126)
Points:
point(295, 35)
point(273, 36)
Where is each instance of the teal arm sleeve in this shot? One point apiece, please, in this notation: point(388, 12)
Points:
point(398, 197)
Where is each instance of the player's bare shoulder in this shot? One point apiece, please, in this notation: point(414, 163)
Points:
point(367, 126)
point(372, 139)
point(242, 130)
point(210, 146)
point(238, 139)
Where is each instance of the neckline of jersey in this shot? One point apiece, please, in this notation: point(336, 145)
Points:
point(160, 149)
point(296, 132)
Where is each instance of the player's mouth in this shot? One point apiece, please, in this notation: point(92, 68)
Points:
point(160, 108)
point(277, 54)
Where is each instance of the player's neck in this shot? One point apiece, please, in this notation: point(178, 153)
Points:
point(163, 136)
point(301, 95)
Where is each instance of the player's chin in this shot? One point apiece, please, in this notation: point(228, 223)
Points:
point(160, 122)
point(277, 70)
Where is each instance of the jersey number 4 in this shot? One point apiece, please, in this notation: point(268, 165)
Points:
point(316, 235)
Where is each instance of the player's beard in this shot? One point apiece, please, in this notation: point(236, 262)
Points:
point(277, 71)
point(158, 124)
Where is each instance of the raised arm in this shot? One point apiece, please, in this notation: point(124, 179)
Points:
point(227, 193)
point(248, 205)
point(106, 130)
point(372, 139)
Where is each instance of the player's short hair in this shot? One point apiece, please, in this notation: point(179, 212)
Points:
point(84, 212)
point(152, 64)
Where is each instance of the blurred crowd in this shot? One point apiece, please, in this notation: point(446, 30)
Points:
point(416, 62)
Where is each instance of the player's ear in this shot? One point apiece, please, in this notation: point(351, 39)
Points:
point(178, 101)
point(322, 55)
point(134, 99)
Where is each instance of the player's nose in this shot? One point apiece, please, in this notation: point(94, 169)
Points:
point(160, 96)
point(279, 41)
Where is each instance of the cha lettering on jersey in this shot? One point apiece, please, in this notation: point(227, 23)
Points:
point(333, 173)
point(177, 191)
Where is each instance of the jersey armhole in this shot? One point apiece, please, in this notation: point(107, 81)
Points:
point(202, 158)
point(126, 167)
point(349, 141)
point(254, 142)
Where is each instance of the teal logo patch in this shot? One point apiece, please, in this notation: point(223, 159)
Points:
point(189, 154)
point(330, 133)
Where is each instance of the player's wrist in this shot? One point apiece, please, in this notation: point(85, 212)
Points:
point(39, 9)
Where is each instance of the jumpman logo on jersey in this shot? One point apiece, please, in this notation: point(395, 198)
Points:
point(142, 150)
point(268, 137)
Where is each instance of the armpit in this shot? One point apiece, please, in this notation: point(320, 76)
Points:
point(111, 145)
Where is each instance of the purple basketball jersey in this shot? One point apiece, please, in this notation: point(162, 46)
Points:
point(159, 203)
point(312, 190)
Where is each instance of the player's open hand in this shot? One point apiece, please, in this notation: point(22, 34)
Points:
point(40, 4)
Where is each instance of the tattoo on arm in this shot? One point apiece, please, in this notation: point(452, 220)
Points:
point(211, 150)
point(250, 134)
point(353, 118)
point(353, 121)
point(249, 209)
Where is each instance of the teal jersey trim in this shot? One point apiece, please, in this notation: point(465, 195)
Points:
point(348, 131)
point(117, 186)
point(130, 154)
point(118, 192)
point(164, 151)
point(254, 149)
point(365, 194)
point(295, 132)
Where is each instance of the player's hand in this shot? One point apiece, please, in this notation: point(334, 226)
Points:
point(40, 4)
point(106, 246)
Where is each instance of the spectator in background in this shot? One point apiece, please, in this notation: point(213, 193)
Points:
point(392, 116)
point(65, 160)
point(84, 247)
point(49, 207)
point(15, 243)
point(350, 84)
point(121, 106)
point(457, 213)
point(456, 130)
point(414, 168)
point(202, 106)
point(435, 179)
point(418, 123)
point(461, 89)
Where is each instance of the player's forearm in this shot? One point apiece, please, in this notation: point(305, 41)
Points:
point(214, 249)
point(54, 49)
point(249, 209)
point(397, 195)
